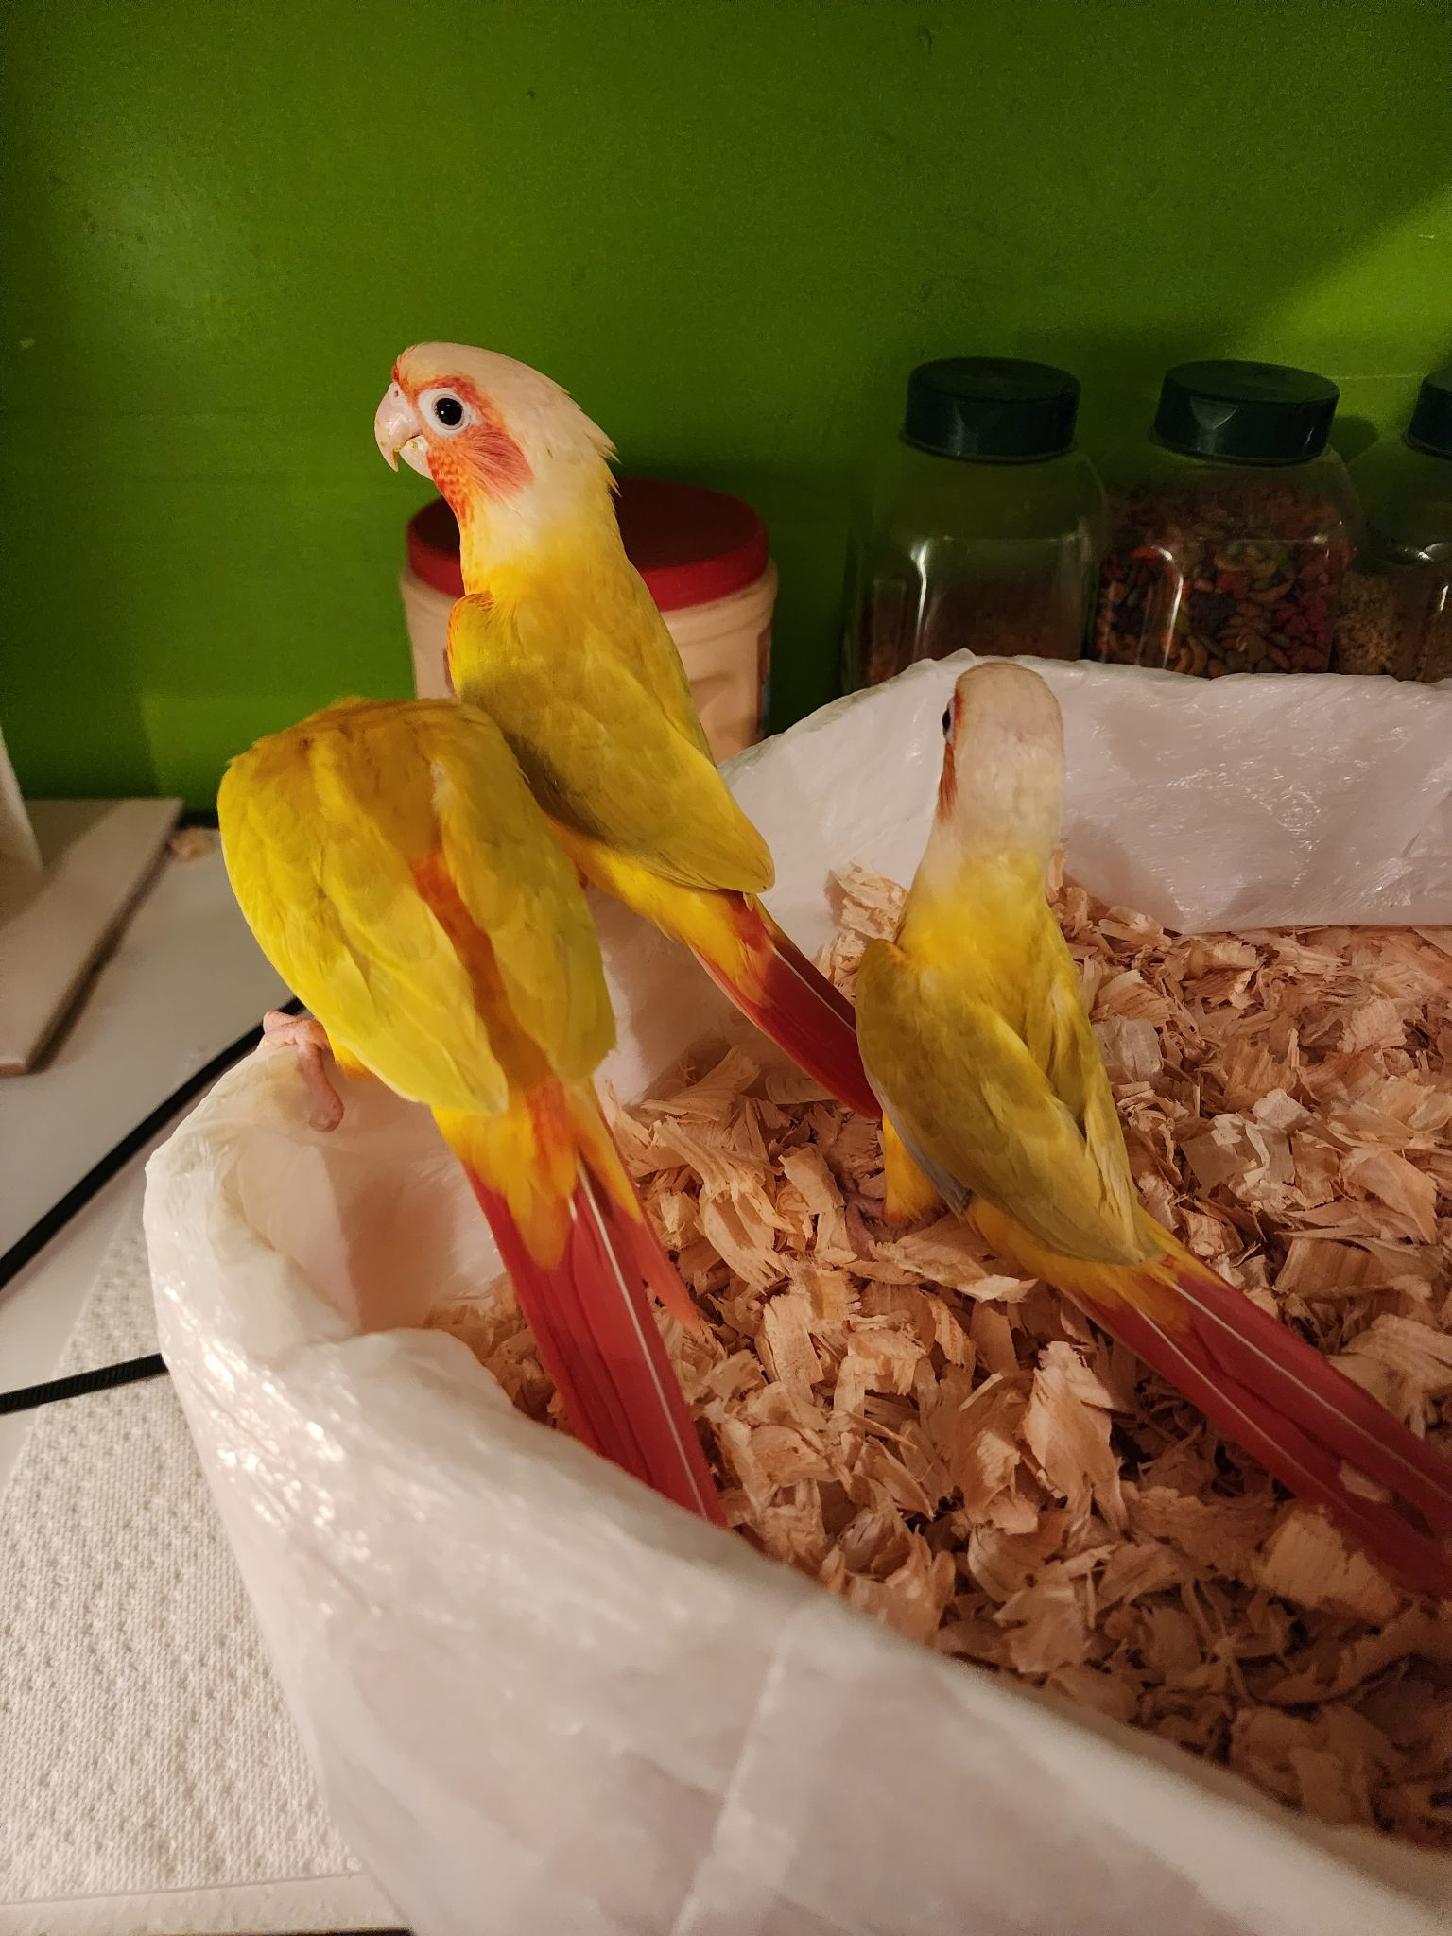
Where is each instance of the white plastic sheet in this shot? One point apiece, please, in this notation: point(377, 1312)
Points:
point(541, 1700)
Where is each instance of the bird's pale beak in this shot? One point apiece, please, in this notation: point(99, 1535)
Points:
point(398, 432)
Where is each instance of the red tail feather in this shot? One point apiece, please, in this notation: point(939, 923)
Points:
point(1281, 1401)
point(794, 1003)
point(591, 1318)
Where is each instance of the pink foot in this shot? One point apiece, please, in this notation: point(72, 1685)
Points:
point(309, 1042)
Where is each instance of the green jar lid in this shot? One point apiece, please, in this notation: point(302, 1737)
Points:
point(1246, 413)
point(1431, 426)
point(986, 407)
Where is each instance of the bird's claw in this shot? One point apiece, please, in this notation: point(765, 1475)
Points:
point(308, 1040)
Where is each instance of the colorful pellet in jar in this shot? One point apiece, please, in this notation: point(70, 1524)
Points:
point(1232, 528)
point(1186, 586)
point(1396, 606)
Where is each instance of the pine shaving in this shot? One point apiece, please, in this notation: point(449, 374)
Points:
point(960, 1455)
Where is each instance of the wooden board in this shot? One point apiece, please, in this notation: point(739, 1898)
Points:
point(96, 857)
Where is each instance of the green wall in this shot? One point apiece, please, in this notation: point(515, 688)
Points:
point(728, 225)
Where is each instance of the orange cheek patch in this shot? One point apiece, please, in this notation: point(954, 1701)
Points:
point(451, 474)
point(498, 461)
point(948, 784)
point(484, 462)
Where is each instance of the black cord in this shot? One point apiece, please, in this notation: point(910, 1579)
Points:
point(129, 1372)
point(45, 1229)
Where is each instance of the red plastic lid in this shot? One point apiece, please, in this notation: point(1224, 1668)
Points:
point(689, 545)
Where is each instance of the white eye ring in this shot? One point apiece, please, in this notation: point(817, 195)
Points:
point(437, 407)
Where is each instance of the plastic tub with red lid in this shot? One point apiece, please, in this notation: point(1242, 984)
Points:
point(705, 562)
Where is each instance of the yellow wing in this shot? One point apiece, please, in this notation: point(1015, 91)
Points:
point(322, 826)
point(601, 752)
point(1025, 1119)
point(612, 609)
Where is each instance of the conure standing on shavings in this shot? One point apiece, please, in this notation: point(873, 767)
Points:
point(397, 873)
point(559, 641)
point(974, 1032)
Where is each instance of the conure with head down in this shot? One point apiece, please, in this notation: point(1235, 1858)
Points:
point(975, 1035)
point(398, 874)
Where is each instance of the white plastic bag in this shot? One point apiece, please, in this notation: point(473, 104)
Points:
point(541, 1700)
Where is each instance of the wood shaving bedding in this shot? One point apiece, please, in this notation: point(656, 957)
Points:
point(958, 1453)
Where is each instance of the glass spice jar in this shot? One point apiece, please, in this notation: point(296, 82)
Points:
point(1231, 527)
point(1396, 602)
point(984, 524)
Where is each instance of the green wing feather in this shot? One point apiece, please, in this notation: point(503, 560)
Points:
point(521, 889)
point(623, 618)
point(600, 751)
point(1022, 1116)
point(321, 826)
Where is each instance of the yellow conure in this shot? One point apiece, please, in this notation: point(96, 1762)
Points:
point(397, 873)
point(974, 1033)
point(559, 641)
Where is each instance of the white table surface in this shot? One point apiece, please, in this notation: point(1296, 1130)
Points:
point(182, 981)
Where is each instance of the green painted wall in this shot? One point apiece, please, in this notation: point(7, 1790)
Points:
point(728, 225)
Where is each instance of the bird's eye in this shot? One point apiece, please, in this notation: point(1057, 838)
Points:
point(444, 412)
point(947, 720)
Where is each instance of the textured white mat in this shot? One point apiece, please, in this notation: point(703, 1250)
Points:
point(144, 1746)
